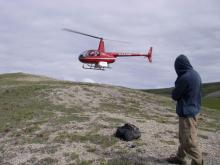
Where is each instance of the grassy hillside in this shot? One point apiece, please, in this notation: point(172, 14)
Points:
point(160, 91)
point(46, 121)
point(210, 93)
point(207, 88)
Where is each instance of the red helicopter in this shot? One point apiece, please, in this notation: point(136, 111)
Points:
point(99, 59)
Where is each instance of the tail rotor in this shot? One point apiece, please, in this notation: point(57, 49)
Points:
point(149, 54)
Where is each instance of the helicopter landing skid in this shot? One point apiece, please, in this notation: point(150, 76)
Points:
point(95, 67)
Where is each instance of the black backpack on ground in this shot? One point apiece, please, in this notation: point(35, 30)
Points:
point(128, 132)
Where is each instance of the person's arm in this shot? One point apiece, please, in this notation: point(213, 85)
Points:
point(180, 87)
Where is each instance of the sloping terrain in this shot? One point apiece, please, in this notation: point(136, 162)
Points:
point(46, 121)
point(210, 93)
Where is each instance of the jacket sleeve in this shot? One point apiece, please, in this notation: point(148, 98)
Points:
point(179, 89)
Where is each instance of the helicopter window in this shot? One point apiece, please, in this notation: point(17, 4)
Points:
point(90, 53)
point(84, 54)
point(94, 53)
point(97, 53)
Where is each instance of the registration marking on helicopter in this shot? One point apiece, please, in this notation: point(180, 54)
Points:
point(123, 54)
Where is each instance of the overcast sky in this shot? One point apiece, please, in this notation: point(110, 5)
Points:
point(31, 39)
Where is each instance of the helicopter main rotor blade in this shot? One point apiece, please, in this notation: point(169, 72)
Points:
point(73, 31)
point(89, 35)
point(126, 42)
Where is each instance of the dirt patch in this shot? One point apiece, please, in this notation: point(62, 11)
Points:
point(85, 118)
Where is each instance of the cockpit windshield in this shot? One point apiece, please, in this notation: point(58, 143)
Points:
point(89, 53)
point(84, 54)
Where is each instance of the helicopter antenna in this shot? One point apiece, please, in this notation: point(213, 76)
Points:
point(89, 35)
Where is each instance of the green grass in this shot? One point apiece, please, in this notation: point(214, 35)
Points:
point(119, 162)
point(24, 105)
point(40, 138)
point(70, 118)
point(71, 156)
point(101, 140)
point(31, 129)
point(162, 91)
point(84, 162)
point(209, 119)
point(24, 101)
point(212, 102)
point(91, 149)
point(210, 105)
point(47, 161)
point(207, 88)
point(20, 104)
point(111, 120)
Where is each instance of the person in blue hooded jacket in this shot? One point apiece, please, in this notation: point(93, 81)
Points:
point(187, 94)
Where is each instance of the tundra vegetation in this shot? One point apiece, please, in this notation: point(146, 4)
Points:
point(47, 121)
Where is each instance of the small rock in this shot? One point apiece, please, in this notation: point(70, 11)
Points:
point(131, 145)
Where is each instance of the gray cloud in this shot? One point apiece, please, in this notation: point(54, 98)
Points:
point(32, 40)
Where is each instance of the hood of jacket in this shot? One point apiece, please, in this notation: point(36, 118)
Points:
point(182, 64)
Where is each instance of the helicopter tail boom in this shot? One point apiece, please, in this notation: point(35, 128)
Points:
point(147, 55)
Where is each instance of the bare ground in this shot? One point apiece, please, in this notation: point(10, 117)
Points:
point(82, 130)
